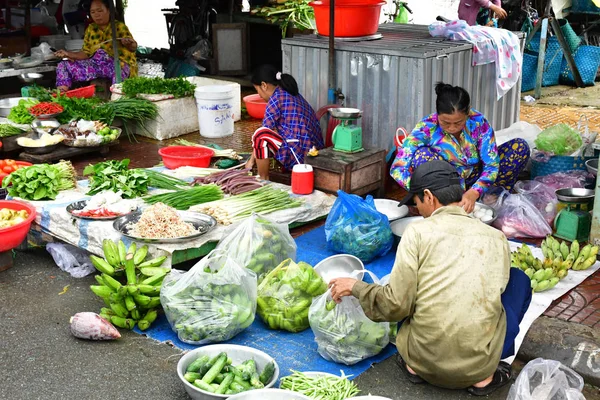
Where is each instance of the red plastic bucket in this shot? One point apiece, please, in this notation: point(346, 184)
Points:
point(186, 156)
point(352, 18)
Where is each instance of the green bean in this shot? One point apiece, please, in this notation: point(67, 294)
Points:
point(321, 387)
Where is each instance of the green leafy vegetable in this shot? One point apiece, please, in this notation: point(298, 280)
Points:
point(40, 181)
point(20, 113)
point(162, 181)
point(115, 176)
point(178, 87)
point(10, 130)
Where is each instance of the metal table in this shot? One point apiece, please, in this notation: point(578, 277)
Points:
point(7, 73)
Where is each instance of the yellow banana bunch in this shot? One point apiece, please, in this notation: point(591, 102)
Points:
point(565, 258)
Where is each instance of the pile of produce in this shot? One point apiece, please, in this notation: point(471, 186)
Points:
point(219, 376)
point(84, 133)
point(133, 298)
point(9, 217)
point(20, 113)
point(45, 140)
point(263, 200)
point(162, 181)
point(40, 181)
point(232, 182)
point(115, 176)
point(45, 108)
point(483, 213)
point(212, 302)
point(183, 199)
point(559, 258)
point(320, 387)
point(178, 87)
point(106, 204)
point(160, 221)
point(343, 332)
point(9, 166)
point(286, 293)
point(7, 130)
point(89, 325)
point(295, 12)
point(259, 244)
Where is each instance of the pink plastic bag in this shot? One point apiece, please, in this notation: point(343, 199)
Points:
point(542, 196)
point(562, 180)
point(518, 217)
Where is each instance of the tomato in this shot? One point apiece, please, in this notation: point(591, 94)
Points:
point(8, 169)
point(2, 164)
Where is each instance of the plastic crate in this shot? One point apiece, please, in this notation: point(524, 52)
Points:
point(83, 93)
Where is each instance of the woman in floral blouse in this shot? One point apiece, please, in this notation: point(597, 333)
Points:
point(463, 137)
point(95, 59)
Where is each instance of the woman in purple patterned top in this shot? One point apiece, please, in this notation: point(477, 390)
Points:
point(290, 126)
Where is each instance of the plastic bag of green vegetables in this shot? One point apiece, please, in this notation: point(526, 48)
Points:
point(259, 244)
point(355, 227)
point(212, 302)
point(344, 334)
point(286, 293)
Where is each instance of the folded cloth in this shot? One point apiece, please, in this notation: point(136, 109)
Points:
point(489, 45)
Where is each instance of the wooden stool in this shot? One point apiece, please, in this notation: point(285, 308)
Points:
point(357, 173)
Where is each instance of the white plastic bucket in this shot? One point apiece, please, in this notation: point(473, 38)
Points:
point(215, 110)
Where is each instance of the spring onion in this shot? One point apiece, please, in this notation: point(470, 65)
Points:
point(263, 200)
point(320, 387)
point(161, 181)
point(10, 130)
point(227, 153)
point(183, 199)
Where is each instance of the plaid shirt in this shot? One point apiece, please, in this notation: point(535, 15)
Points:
point(295, 121)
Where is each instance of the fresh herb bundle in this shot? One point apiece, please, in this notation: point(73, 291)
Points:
point(10, 130)
point(40, 181)
point(20, 113)
point(178, 87)
point(115, 176)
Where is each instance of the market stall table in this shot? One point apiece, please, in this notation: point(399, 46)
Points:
point(18, 71)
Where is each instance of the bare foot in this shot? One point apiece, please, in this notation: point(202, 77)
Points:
point(412, 371)
point(63, 89)
point(484, 382)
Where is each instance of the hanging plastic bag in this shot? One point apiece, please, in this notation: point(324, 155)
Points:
point(518, 218)
point(344, 334)
point(560, 140)
point(212, 302)
point(355, 227)
point(547, 380)
point(259, 244)
point(71, 259)
point(543, 197)
point(286, 293)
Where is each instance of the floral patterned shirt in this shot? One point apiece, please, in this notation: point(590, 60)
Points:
point(97, 38)
point(477, 145)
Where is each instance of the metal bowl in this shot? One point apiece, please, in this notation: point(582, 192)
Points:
point(44, 126)
point(575, 195)
point(7, 104)
point(339, 266)
point(202, 222)
point(592, 166)
point(400, 225)
point(269, 394)
point(238, 355)
point(80, 205)
point(345, 113)
point(38, 150)
point(486, 207)
point(6, 63)
point(390, 209)
point(29, 78)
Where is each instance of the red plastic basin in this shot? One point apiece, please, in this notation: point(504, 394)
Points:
point(185, 156)
point(255, 106)
point(13, 236)
point(352, 18)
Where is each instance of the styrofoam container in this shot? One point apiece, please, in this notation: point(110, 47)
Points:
point(269, 394)
point(215, 110)
point(236, 87)
point(238, 355)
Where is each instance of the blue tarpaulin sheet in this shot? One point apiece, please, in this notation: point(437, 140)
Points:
point(297, 351)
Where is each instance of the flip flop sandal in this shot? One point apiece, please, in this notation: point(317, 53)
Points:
point(502, 377)
point(415, 379)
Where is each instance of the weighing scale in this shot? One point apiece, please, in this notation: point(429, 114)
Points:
point(347, 136)
point(571, 223)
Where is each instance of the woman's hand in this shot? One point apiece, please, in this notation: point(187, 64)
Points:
point(341, 287)
point(129, 43)
point(250, 162)
point(468, 200)
point(499, 11)
point(62, 54)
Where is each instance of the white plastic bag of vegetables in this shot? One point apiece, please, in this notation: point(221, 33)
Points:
point(354, 226)
point(344, 334)
point(212, 302)
point(259, 244)
point(286, 293)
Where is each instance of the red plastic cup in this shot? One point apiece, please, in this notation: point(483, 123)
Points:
point(303, 179)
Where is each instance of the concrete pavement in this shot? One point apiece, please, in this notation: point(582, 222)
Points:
point(42, 360)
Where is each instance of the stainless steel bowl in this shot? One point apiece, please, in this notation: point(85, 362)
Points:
point(45, 126)
point(39, 150)
point(7, 104)
point(486, 207)
point(345, 113)
point(400, 225)
point(30, 77)
point(339, 266)
point(269, 394)
point(592, 166)
point(575, 195)
point(238, 355)
point(390, 209)
point(202, 222)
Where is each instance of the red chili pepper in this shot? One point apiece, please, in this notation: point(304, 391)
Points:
point(46, 109)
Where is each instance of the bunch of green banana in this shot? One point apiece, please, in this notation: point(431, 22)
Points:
point(543, 275)
point(569, 257)
point(133, 298)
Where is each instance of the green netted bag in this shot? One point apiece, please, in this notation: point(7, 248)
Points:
point(560, 140)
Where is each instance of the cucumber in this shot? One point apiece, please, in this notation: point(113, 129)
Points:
point(197, 364)
point(267, 373)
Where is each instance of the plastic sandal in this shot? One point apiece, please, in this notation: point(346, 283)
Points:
point(502, 376)
point(415, 379)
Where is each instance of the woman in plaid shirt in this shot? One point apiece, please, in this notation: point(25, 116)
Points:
point(290, 127)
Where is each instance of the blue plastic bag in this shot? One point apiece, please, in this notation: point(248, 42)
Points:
point(355, 227)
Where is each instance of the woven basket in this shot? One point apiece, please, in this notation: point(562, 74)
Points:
point(552, 62)
point(571, 37)
point(587, 59)
point(529, 72)
point(558, 164)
